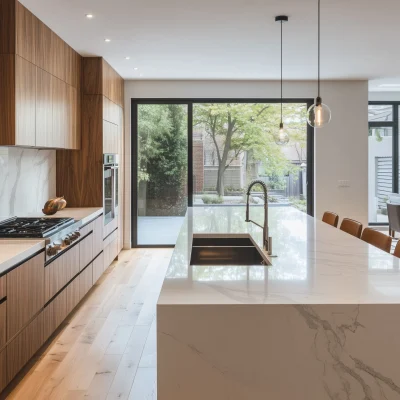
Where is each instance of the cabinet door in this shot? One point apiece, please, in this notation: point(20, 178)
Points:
point(98, 267)
point(44, 109)
point(73, 136)
point(26, 30)
point(85, 251)
point(85, 280)
point(24, 346)
point(59, 113)
point(43, 47)
point(110, 138)
point(25, 102)
point(3, 369)
point(25, 293)
point(54, 314)
point(71, 262)
point(58, 53)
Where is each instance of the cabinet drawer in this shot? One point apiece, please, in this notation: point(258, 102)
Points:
point(24, 346)
point(73, 294)
point(110, 249)
point(3, 369)
point(3, 321)
point(85, 280)
point(58, 273)
point(25, 293)
point(86, 229)
point(85, 251)
point(54, 314)
point(98, 236)
point(98, 267)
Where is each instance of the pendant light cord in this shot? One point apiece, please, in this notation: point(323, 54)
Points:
point(281, 72)
point(319, 47)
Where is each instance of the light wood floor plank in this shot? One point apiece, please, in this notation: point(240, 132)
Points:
point(106, 349)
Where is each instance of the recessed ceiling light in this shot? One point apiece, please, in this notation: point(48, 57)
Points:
point(89, 16)
point(107, 40)
point(127, 58)
point(136, 68)
point(390, 85)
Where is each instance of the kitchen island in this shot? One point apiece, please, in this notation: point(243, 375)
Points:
point(322, 322)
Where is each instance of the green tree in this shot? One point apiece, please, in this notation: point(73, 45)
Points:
point(163, 154)
point(235, 128)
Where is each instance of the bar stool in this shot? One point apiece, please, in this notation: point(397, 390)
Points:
point(352, 227)
point(330, 218)
point(377, 239)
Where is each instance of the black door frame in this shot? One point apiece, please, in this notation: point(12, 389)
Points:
point(394, 124)
point(189, 102)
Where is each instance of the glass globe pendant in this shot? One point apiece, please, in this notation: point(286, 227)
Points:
point(281, 137)
point(319, 114)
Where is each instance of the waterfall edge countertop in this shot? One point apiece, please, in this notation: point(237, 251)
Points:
point(315, 263)
point(15, 251)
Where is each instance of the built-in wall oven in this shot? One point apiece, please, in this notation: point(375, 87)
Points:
point(110, 187)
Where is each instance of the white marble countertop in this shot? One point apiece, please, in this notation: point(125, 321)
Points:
point(13, 251)
point(316, 264)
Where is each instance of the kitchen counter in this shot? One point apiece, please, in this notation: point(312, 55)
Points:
point(321, 322)
point(14, 251)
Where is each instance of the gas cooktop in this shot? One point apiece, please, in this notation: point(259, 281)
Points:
point(32, 227)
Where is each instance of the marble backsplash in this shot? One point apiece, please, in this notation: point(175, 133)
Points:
point(27, 180)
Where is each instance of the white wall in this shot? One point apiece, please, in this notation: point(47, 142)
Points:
point(341, 148)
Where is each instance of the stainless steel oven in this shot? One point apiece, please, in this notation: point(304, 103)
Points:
point(110, 187)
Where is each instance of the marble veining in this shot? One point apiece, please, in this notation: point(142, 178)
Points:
point(321, 323)
point(316, 264)
point(27, 179)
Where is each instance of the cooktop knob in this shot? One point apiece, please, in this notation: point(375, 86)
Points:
point(67, 241)
point(77, 233)
point(52, 251)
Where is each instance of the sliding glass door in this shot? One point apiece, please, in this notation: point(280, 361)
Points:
point(162, 132)
point(383, 159)
point(206, 152)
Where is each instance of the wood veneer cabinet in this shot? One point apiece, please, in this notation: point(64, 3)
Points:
point(40, 78)
point(24, 346)
point(85, 280)
point(3, 313)
point(25, 293)
point(54, 314)
point(3, 369)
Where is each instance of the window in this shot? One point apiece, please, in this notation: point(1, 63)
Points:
point(383, 158)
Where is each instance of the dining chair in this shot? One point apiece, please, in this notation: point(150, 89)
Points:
point(397, 250)
point(377, 239)
point(352, 227)
point(330, 218)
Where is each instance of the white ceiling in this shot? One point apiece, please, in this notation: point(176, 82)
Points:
point(230, 39)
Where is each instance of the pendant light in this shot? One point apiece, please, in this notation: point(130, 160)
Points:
point(319, 114)
point(281, 137)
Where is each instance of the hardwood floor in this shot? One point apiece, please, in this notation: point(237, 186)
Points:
point(107, 348)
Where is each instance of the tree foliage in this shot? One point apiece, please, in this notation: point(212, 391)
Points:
point(235, 128)
point(163, 153)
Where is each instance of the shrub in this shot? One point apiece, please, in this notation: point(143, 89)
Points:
point(212, 199)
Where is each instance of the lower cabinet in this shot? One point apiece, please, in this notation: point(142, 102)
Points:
point(3, 369)
point(98, 267)
point(54, 314)
point(3, 321)
point(85, 251)
point(110, 248)
point(24, 346)
point(86, 280)
point(73, 294)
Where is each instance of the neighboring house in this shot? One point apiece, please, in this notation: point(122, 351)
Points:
point(241, 168)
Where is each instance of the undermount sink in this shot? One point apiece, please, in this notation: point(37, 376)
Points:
point(214, 250)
